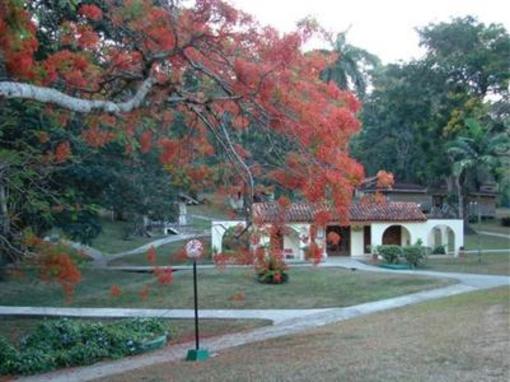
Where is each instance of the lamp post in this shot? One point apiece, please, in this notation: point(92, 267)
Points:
point(194, 249)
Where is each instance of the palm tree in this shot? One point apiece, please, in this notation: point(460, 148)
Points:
point(352, 68)
point(478, 152)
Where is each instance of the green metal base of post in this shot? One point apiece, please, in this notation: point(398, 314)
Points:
point(197, 355)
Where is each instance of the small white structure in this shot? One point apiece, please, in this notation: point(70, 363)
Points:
point(183, 214)
point(400, 223)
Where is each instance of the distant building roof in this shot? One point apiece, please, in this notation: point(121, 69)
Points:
point(302, 212)
point(397, 187)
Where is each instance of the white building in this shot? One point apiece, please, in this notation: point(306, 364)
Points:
point(371, 224)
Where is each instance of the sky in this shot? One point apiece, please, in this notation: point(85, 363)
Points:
point(383, 27)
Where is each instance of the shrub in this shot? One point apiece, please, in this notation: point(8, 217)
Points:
point(505, 221)
point(8, 356)
point(415, 255)
point(270, 267)
point(390, 253)
point(64, 343)
point(439, 250)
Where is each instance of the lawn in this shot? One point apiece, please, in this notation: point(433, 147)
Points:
point(232, 288)
point(486, 241)
point(113, 240)
point(491, 263)
point(216, 207)
point(180, 330)
point(199, 224)
point(460, 338)
point(492, 225)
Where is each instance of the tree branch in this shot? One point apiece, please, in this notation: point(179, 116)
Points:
point(11, 89)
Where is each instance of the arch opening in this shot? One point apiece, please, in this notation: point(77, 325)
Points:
point(442, 239)
point(396, 235)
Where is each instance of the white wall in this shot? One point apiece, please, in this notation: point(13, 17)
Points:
point(218, 229)
point(297, 231)
point(294, 241)
point(357, 241)
point(422, 230)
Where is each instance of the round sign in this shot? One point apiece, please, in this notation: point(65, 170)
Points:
point(194, 248)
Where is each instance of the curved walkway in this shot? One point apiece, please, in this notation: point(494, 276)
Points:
point(100, 260)
point(158, 243)
point(495, 234)
point(286, 322)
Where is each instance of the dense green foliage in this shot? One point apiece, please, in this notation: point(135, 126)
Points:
point(44, 192)
point(64, 343)
point(414, 255)
point(390, 253)
point(418, 110)
point(352, 68)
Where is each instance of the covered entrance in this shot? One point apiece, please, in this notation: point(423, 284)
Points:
point(396, 235)
point(343, 247)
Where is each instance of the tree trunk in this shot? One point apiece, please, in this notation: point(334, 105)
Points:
point(460, 197)
point(4, 211)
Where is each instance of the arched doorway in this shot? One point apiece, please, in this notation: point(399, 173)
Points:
point(342, 247)
point(396, 235)
point(442, 235)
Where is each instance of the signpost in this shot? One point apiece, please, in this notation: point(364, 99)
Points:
point(194, 249)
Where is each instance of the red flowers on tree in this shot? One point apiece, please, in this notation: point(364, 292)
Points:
point(62, 152)
point(91, 11)
point(198, 83)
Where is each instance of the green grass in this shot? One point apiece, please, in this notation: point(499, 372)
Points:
point(168, 254)
point(113, 238)
point(307, 288)
point(216, 207)
point(180, 331)
point(491, 263)
point(487, 242)
point(199, 224)
point(493, 225)
point(460, 338)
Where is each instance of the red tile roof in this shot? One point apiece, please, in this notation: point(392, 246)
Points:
point(301, 212)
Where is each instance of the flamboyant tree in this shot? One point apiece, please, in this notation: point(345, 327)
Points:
point(209, 63)
point(201, 85)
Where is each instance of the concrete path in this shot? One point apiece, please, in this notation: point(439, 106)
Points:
point(274, 315)
point(101, 260)
point(286, 322)
point(98, 258)
point(158, 243)
point(495, 234)
point(476, 281)
point(202, 217)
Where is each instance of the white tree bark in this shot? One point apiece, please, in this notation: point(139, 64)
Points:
point(10, 89)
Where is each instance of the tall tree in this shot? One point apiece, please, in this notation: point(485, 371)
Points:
point(475, 57)
point(478, 151)
point(119, 64)
point(418, 108)
point(352, 67)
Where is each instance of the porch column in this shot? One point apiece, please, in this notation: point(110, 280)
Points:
point(357, 241)
point(376, 234)
point(444, 238)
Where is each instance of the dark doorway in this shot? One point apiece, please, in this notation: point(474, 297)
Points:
point(343, 248)
point(392, 235)
point(367, 238)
